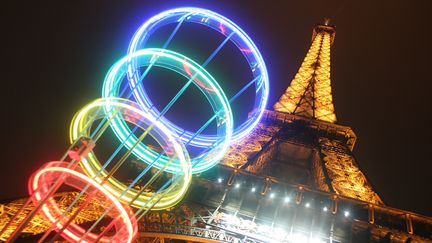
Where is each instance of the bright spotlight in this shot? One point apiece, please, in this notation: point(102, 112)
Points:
point(272, 195)
point(253, 189)
point(237, 185)
point(280, 233)
point(316, 240)
point(220, 180)
point(346, 213)
point(325, 209)
point(264, 229)
point(307, 205)
point(297, 238)
point(287, 199)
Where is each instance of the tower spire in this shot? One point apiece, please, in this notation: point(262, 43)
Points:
point(309, 93)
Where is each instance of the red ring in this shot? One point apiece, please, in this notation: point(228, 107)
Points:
point(43, 179)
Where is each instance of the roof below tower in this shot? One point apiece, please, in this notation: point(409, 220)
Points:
point(309, 93)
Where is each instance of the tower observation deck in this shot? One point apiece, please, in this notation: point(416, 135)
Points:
point(293, 179)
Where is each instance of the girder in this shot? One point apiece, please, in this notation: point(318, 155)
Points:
point(309, 93)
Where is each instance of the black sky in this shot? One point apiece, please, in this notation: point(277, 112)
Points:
point(56, 54)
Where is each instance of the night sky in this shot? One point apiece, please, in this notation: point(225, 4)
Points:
point(56, 54)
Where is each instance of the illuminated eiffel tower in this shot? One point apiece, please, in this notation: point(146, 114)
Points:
point(293, 179)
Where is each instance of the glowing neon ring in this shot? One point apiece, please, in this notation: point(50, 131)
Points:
point(44, 178)
point(132, 113)
point(224, 26)
point(188, 68)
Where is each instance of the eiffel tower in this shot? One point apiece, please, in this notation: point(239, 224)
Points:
point(293, 179)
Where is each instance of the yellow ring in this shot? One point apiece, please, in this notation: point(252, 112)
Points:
point(92, 167)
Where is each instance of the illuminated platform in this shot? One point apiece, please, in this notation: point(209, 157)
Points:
point(231, 205)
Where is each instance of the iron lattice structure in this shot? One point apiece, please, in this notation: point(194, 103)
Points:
point(293, 179)
point(315, 148)
point(220, 211)
point(309, 93)
point(40, 224)
point(305, 151)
